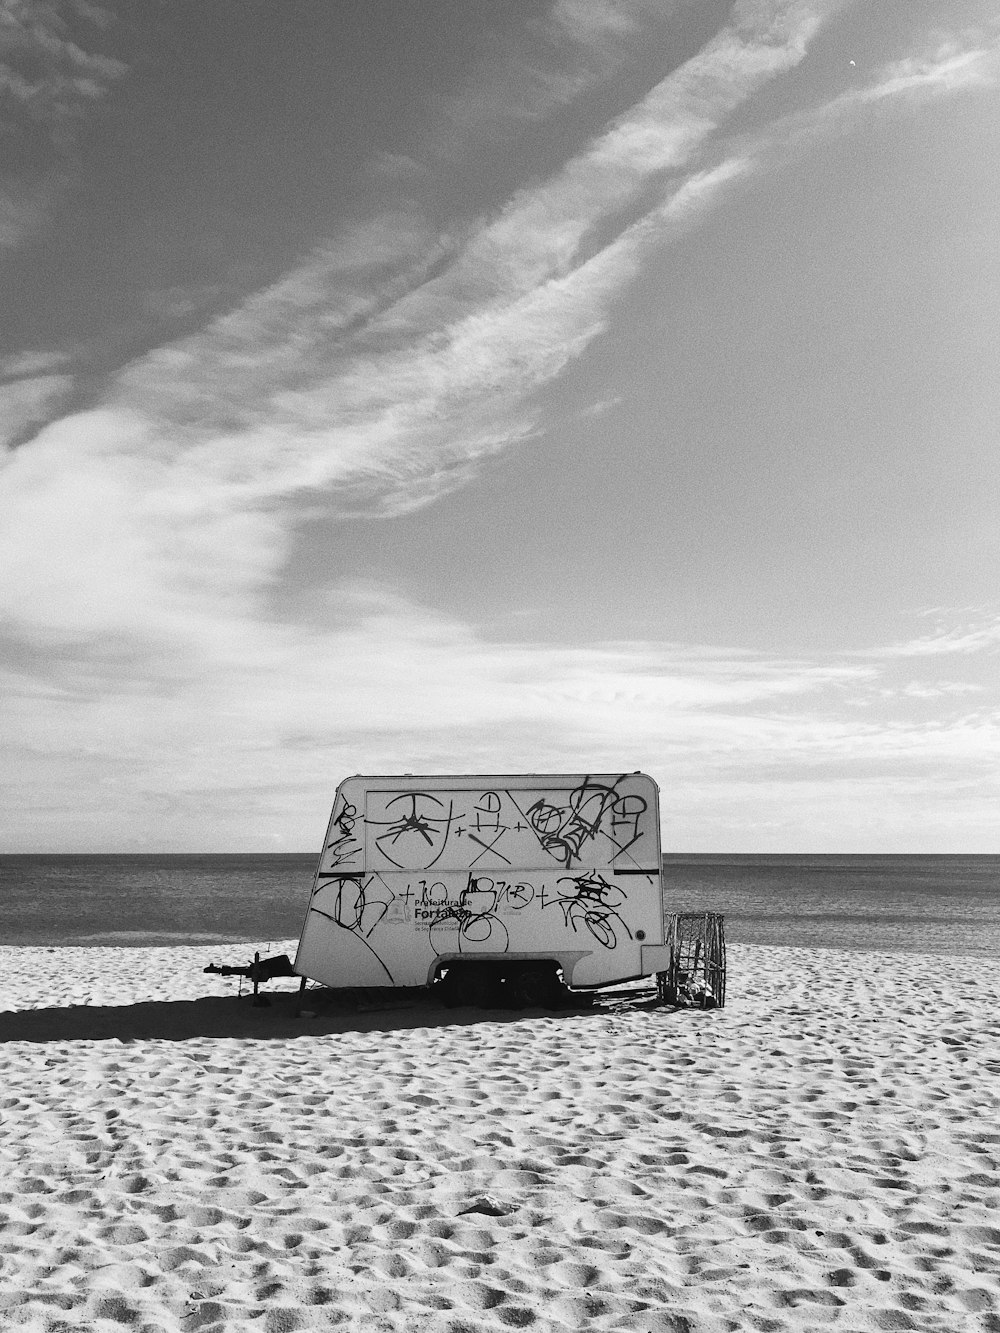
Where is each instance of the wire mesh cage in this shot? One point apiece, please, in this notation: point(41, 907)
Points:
point(697, 972)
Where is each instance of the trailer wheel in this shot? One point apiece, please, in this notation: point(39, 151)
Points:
point(475, 985)
point(533, 986)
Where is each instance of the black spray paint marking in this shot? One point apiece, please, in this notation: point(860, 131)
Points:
point(345, 847)
point(419, 833)
point(592, 901)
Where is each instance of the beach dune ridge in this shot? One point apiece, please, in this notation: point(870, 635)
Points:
point(824, 1152)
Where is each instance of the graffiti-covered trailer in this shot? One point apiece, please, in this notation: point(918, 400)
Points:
point(488, 880)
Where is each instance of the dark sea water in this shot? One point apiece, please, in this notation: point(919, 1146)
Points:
point(927, 904)
point(915, 904)
point(155, 899)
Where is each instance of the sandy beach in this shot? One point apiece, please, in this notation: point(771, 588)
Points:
point(822, 1153)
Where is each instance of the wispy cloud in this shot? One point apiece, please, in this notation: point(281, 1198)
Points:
point(395, 339)
point(397, 357)
point(28, 364)
point(249, 728)
point(139, 541)
point(394, 325)
point(948, 65)
point(525, 74)
point(969, 637)
point(28, 401)
point(386, 367)
point(45, 70)
point(49, 81)
point(917, 690)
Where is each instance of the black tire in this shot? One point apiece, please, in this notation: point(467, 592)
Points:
point(471, 985)
point(533, 986)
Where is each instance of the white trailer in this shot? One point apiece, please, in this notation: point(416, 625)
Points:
point(486, 881)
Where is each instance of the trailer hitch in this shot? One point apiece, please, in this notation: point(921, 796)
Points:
point(261, 969)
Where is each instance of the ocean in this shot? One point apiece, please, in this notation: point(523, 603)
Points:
point(923, 904)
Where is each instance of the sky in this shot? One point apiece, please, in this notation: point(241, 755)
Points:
point(499, 386)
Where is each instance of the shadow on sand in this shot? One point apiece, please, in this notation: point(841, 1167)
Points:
point(289, 1014)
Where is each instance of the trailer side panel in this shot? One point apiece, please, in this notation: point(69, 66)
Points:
point(416, 872)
